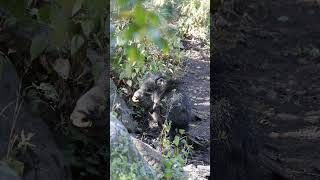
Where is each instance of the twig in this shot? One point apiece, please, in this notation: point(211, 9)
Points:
point(9, 104)
point(15, 118)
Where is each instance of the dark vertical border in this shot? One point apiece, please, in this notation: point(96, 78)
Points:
point(107, 31)
point(211, 93)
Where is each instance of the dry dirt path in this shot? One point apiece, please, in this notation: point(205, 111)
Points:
point(196, 82)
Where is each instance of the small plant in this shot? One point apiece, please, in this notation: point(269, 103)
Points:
point(175, 153)
point(18, 145)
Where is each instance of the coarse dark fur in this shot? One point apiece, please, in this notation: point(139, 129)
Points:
point(163, 99)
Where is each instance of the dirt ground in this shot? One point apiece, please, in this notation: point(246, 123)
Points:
point(196, 82)
point(273, 68)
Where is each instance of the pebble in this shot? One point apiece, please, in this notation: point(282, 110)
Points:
point(274, 135)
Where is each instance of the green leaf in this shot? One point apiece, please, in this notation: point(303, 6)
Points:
point(168, 164)
point(139, 15)
point(165, 46)
point(49, 91)
point(59, 23)
point(38, 45)
point(176, 140)
point(154, 19)
point(16, 8)
point(87, 27)
point(121, 3)
point(132, 54)
point(44, 13)
point(76, 7)
point(76, 43)
point(168, 173)
point(181, 131)
point(130, 31)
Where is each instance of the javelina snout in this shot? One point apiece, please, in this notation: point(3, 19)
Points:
point(149, 92)
point(137, 96)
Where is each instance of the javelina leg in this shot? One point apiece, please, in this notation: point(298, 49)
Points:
point(156, 117)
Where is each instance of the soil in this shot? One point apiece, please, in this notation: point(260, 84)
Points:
point(196, 82)
point(273, 69)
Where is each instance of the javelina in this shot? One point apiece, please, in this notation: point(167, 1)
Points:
point(161, 97)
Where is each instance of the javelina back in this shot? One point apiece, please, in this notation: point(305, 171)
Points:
point(163, 99)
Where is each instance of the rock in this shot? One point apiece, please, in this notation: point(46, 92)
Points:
point(42, 159)
point(197, 172)
point(149, 154)
point(6, 173)
point(118, 105)
point(123, 149)
point(274, 135)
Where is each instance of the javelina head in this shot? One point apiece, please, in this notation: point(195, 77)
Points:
point(152, 88)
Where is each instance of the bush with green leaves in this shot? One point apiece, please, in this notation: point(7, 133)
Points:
point(69, 29)
point(191, 17)
point(175, 153)
point(140, 42)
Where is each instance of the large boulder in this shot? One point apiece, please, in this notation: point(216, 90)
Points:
point(127, 151)
point(125, 155)
point(26, 142)
point(6, 173)
point(118, 105)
